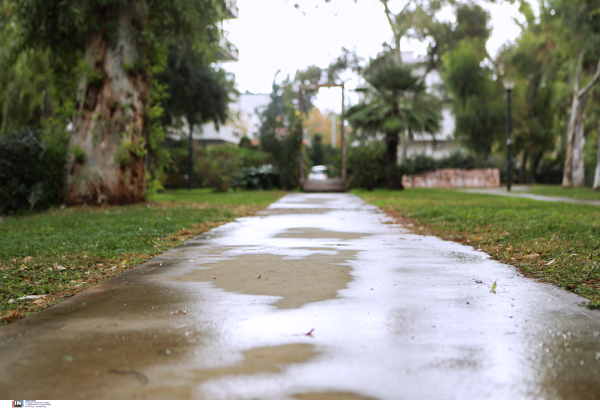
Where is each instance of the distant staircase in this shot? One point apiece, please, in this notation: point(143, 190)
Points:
point(335, 185)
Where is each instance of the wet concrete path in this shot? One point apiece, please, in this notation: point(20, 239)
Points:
point(391, 315)
point(521, 192)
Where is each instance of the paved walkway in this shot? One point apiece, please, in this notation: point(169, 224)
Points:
point(321, 296)
point(537, 197)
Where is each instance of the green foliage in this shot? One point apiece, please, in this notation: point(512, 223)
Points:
point(264, 177)
point(478, 107)
point(246, 143)
point(456, 160)
point(214, 166)
point(366, 166)
point(31, 171)
point(197, 91)
point(280, 132)
point(79, 153)
point(396, 103)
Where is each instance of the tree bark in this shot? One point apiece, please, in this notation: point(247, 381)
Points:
point(573, 172)
point(191, 154)
point(523, 168)
point(597, 172)
point(535, 162)
point(391, 142)
point(107, 160)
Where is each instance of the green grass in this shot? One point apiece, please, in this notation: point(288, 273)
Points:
point(582, 193)
point(551, 241)
point(61, 251)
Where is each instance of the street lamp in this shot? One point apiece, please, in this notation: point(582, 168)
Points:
point(509, 84)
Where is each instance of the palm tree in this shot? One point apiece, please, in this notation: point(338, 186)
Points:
point(396, 104)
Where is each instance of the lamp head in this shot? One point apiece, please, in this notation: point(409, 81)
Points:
point(508, 83)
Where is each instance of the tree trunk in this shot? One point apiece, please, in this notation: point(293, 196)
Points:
point(578, 159)
point(573, 172)
point(523, 168)
point(535, 162)
point(597, 172)
point(391, 142)
point(107, 145)
point(191, 154)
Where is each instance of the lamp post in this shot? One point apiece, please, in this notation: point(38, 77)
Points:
point(509, 84)
point(314, 87)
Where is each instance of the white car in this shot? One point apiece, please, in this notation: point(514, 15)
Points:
point(318, 173)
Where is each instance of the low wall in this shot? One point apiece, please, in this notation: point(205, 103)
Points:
point(449, 178)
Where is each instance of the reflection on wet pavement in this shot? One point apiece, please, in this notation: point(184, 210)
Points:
point(318, 297)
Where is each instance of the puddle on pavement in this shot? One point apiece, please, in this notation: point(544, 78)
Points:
point(262, 360)
point(319, 233)
point(330, 395)
point(314, 278)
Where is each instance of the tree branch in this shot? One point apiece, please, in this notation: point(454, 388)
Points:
point(591, 83)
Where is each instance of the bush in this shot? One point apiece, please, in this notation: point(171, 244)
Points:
point(366, 166)
point(214, 166)
point(456, 160)
point(264, 177)
point(32, 171)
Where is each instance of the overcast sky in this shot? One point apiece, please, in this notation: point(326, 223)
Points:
point(273, 34)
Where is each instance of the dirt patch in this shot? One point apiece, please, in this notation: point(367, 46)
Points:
point(319, 233)
point(314, 278)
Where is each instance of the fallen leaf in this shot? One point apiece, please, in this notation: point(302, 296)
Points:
point(493, 289)
point(259, 276)
point(61, 268)
point(68, 358)
point(509, 248)
point(551, 262)
point(28, 259)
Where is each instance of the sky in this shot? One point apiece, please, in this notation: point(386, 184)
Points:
point(273, 35)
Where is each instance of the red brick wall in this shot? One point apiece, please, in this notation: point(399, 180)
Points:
point(449, 178)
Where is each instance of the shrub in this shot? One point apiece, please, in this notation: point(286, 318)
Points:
point(32, 170)
point(366, 166)
point(264, 177)
point(214, 166)
point(456, 160)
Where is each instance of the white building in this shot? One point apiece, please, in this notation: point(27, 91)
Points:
point(441, 144)
point(244, 121)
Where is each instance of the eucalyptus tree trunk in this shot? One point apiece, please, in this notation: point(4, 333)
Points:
point(107, 145)
point(573, 172)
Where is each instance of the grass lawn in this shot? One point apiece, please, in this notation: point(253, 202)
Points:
point(62, 251)
point(550, 241)
point(582, 193)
